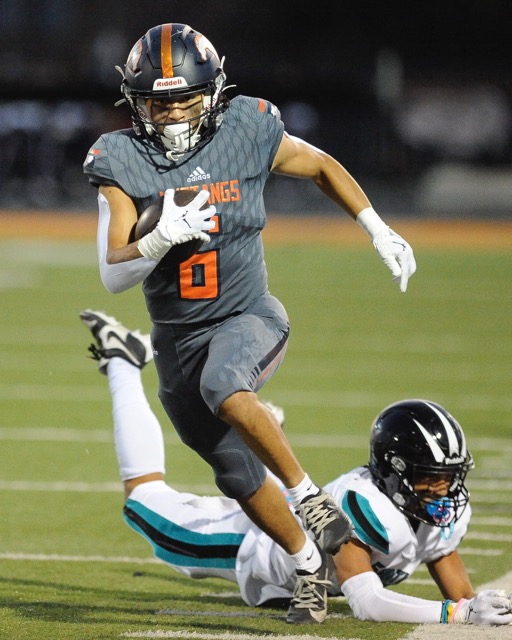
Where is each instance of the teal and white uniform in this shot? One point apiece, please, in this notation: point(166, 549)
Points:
point(397, 548)
point(211, 536)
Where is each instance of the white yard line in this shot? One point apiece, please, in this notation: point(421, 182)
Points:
point(206, 488)
point(459, 632)
point(55, 557)
point(290, 398)
point(306, 440)
point(194, 635)
point(93, 487)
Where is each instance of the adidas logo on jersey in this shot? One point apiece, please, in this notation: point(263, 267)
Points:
point(197, 175)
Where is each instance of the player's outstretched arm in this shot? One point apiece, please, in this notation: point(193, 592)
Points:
point(462, 604)
point(370, 600)
point(299, 159)
point(450, 574)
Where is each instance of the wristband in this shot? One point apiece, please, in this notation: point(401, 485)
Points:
point(371, 222)
point(153, 245)
point(455, 608)
point(446, 611)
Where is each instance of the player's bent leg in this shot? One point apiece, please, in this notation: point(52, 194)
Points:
point(244, 352)
point(262, 433)
point(138, 437)
point(309, 602)
point(130, 484)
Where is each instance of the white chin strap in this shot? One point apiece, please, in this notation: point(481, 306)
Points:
point(178, 139)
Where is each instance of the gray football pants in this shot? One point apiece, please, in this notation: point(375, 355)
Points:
point(200, 366)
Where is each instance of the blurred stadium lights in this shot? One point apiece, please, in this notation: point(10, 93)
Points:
point(412, 105)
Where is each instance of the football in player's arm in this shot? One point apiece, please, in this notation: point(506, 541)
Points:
point(409, 506)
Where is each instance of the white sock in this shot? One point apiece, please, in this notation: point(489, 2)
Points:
point(138, 436)
point(303, 489)
point(308, 558)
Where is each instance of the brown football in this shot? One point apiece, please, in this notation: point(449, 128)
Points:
point(149, 219)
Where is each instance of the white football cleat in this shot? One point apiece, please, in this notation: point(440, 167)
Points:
point(115, 341)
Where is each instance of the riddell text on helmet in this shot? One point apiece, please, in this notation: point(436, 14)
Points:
point(166, 83)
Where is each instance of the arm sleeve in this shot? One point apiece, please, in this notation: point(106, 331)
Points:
point(124, 275)
point(369, 600)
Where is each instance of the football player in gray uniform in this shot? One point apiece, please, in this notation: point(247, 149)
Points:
point(218, 334)
point(409, 506)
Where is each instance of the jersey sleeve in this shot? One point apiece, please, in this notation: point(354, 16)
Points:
point(274, 126)
point(367, 526)
point(377, 523)
point(97, 165)
point(261, 122)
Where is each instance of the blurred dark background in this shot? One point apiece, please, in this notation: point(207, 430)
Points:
point(415, 99)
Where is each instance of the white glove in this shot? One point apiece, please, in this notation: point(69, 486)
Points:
point(394, 251)
point(491, 607)
point(177, 225)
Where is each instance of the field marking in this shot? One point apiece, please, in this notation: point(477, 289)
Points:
point(55, 557)
point(70, 486)
point(160, 633)
point(488, 537)
point(473, 551)
point(305, 440)
point(504, 582)
point(291, 398)
point(496, 521)
point(93, 487)
point(459, 632)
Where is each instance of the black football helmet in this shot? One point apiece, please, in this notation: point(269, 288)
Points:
point(416, 439)
point(174, 60)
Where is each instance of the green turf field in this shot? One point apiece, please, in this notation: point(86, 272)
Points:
point(71, 569)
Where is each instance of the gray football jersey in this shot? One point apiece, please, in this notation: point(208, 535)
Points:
point(229, 272)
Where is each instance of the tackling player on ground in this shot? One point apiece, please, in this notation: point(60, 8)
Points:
point(409, 506)
point(218, 334)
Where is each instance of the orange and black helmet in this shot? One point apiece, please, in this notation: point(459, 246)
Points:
point(173, 60)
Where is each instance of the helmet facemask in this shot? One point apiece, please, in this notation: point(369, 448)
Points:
point(399, 479)
point(176, 139)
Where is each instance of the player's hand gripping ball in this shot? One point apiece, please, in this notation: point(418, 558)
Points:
point(149, 219)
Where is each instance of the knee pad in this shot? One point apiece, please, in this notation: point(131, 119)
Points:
point(238, 472)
